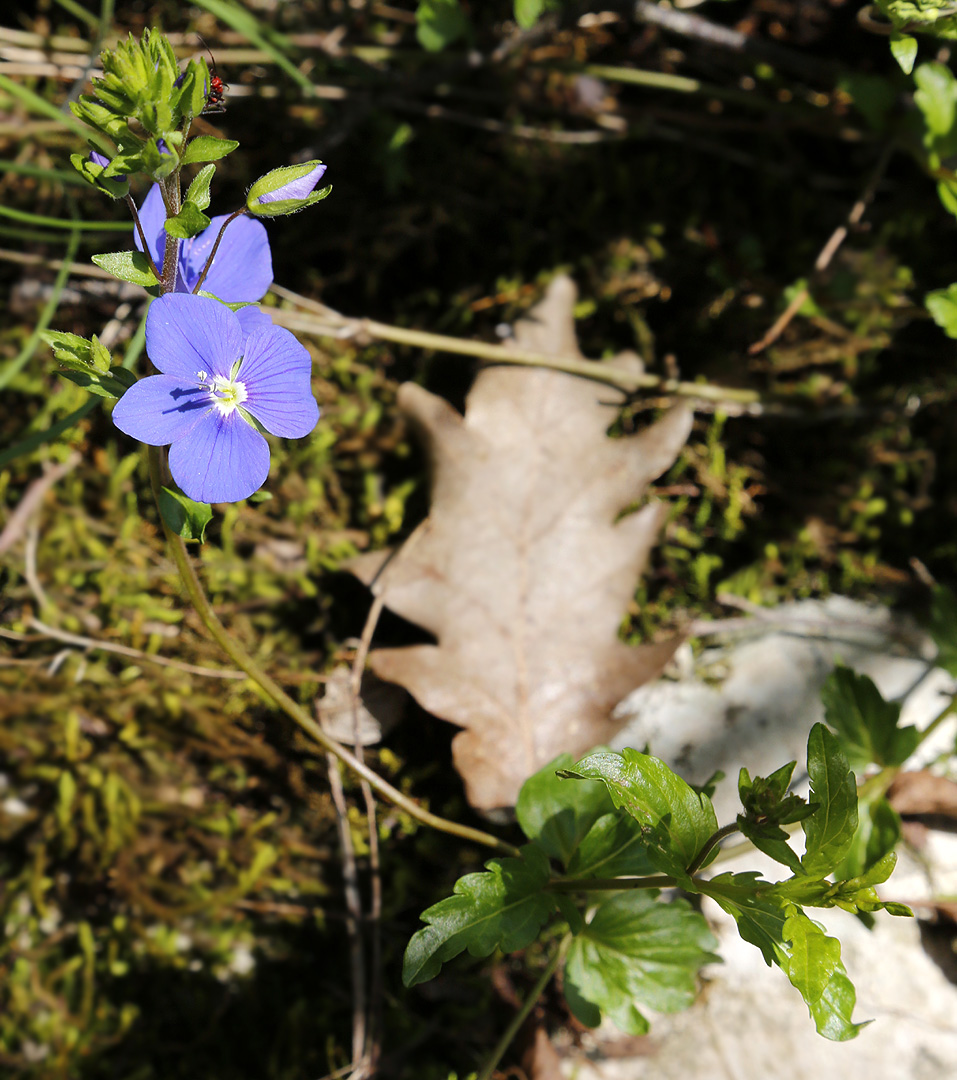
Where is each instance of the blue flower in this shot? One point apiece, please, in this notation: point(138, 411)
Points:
point(242, 269)
point(223, 374)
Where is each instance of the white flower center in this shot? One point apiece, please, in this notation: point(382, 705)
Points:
point(226, 392)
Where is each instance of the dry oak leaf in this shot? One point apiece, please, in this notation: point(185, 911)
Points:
point(521, 570)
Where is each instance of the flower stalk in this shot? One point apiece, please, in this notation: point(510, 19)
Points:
point(242, 659)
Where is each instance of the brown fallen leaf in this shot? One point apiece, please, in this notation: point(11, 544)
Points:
point(923, 793)
point(521, 570)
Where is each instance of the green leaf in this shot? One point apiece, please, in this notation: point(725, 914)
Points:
point(198, 192)
point(113, 384)
point(866, 723)
point(942, 305)
point(678, 820)
point(943, 610)
point(615, 845)
point(528, 12)
point(829, 831)
point(637, 951)
point(189, 222)
point(878, 833)
point(556, 814)
point(904, 50)
point(504, 907)
point(947, 193)
point(186, 518)
point(788, 939)
point(132, 266)
point(936, 97)
point(832, 1012)
point(207, 148)
point(439, 23)
point(760, 921)
point(813, 956)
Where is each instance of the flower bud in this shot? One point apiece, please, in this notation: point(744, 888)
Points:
point(286, 190)
point(93, 167)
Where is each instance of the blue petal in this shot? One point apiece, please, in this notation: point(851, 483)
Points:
point(153, 218)
point(223, 459)
point(276, 372)
point(187, 334)
point(296, 189)
point(253, 318)
point(158, 410)
point(242, 269)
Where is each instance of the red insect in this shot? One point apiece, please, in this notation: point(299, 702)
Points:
point(217, 88)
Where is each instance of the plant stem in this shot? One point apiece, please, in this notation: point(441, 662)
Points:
point(628, 381)
point(142, 236)
point(653, 881)
point(212, 254)
point(293, 709)
point(716, 838)
point(519, 1018)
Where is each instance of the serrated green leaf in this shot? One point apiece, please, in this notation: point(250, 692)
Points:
point(832, 1012)
point(813, 956)
point(614, 846)
point(866, 723)
point(198, 192)
point(904, 50)
point(637, 951)
point(678, 820)
point(760, 921)
point(439, 23)
point(207, 148)
point(942, 305)
point(775, 930)
point(189, 222)
point(185, 517)
point(829, 831)
point(557, 814)
point(943, 610)
point(503, 907)
point(132, 266)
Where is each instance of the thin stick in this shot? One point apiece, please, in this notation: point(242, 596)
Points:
point(370, 1049)
point(827, 252)
point(125, 650)
point(350, 881)
point(30, 503)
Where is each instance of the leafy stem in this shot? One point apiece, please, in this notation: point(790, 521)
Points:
point(293, 709)
point(520, 1017)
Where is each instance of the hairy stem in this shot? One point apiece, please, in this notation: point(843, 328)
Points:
point(142, 236)
point(291, 708)
point(212, 255)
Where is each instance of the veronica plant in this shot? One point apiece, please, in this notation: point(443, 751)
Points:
point(612, 838)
